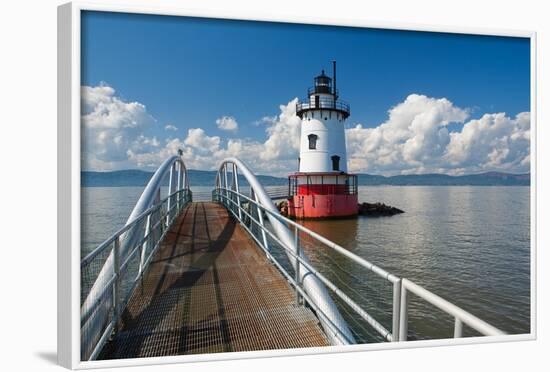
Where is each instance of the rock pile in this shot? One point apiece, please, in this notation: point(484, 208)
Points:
point(363, 209)
point(377, 209)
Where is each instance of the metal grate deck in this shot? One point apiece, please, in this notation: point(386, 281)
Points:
point(209, 289)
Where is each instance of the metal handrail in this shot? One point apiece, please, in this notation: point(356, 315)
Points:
point(100, 248)
point(114, 268)
point(332, 321)
point(329, 322)
point(234, 202)
point(460, 316)
point(306, 264)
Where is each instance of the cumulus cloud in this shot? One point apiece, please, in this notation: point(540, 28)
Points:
point(416, 139)
point(265, 120)
point(227, 123)
point(170, 127)
point(276, 155)
point(114, 138)
point(493, 142)
point(112, 128)
point(152, 159)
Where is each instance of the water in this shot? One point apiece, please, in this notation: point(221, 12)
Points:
point(470, 245)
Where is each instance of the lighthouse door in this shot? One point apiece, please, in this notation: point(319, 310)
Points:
point(316, 101)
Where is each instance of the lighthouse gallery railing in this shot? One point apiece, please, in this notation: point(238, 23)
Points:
point(111, 272)
point(371, 303)
point(323, 103)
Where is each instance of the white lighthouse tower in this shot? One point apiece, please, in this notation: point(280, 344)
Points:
point(322, 188)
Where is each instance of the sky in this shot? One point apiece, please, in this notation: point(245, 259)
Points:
point(420, 102)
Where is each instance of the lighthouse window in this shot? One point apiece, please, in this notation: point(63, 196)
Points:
point(312, 141)
point(335, 162)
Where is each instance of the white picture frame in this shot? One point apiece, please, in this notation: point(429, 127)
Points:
point(69, 183)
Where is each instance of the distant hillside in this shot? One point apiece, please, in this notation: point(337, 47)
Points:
point(483, 179)
point(206, 178)
point(134, 177)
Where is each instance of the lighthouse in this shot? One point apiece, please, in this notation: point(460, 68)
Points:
point(322, 187)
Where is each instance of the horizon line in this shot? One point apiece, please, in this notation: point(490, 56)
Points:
point(368, 174)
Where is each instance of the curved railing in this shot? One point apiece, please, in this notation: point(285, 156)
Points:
point(364, 293)
point(308, 285)
point(111, 271)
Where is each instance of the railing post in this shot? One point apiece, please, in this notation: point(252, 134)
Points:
point(220, 191)
point(170, 191)
point(458, 328)
point(237, 189)
point(403, 314)
point(262, 226)
point(185, 179)
point(232, 190)
point(179, 175)
point(146, 243)
point(219, 187)
point(216, 187)
point(116, 283)
point(297, 266)
point(226, 186)
point(222, 188)
point(396, 309)
point(161, 218)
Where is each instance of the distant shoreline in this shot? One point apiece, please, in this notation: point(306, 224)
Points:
point(139, 178)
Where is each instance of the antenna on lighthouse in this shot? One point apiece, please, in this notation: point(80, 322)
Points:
point(334, 78)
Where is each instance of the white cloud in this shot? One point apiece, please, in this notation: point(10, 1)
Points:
point(493, 142)
point(283, 142)
point(198, 140)
point(227, 123)
point(415, 139)
point(152, 159)
point(265, 120)
point(276, 155)
point(170, 127)
point(114, 138)
point(112, 128)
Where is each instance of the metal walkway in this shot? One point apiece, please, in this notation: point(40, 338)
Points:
point(209, 288)
point(206, 277)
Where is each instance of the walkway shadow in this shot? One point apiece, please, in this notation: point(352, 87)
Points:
point(162, 302)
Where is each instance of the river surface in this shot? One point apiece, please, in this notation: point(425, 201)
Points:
point(468, 244)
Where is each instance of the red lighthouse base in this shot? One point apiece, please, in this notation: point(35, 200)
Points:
point(322, 195)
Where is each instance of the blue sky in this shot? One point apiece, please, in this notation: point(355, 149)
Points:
point(190, 72)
